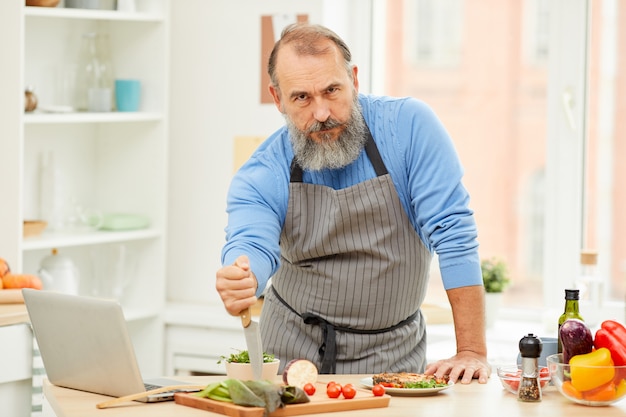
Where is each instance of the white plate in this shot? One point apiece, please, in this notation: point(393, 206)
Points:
point(413, 392)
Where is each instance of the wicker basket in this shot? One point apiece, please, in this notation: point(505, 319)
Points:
point(33, 227)
point(42, 3)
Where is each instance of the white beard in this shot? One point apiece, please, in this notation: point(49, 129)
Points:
point(328, 153)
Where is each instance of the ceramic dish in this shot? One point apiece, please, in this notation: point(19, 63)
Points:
point(409, 392)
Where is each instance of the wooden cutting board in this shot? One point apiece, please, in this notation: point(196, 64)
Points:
point(11, 296)
point(320, 403)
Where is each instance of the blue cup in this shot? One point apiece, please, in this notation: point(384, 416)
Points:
point(549, 347)
point(127, 95)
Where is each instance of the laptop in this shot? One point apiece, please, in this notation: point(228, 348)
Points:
point(85, 345)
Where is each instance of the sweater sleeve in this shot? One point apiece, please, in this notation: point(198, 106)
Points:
point(438, 199)
point(256, 206)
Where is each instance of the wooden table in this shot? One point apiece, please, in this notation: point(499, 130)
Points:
point(459, 400)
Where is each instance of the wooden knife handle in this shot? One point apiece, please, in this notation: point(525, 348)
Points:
point(138, 395)
point(246, 317)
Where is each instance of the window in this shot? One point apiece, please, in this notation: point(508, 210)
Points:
point(538, 84)
point(536, 31)
point(605, 193)
point(434, 29)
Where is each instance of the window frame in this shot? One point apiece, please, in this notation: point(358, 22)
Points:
point(567, 132)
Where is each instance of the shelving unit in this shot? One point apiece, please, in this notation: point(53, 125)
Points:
point(108, 162)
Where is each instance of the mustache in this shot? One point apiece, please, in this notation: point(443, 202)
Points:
point(326, 125)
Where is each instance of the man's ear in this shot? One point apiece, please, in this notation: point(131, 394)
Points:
point(275, 92)
point(355, 79)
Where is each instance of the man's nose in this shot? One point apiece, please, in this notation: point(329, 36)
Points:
point(321, 110)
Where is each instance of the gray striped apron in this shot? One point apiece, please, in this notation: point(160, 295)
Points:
point(353, 275)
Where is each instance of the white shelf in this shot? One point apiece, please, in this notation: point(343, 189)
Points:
point(64, 240)
point(112, 117)
point(86, 14)
point(112, 162)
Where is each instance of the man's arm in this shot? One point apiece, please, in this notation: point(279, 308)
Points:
point(470, 361)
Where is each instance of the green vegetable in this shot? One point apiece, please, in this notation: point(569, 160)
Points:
point(254, 394)
point(267, 392)
point(242, 356)
point(217, 391)
point(293, 395)
point(425, 384)
point(241, 394)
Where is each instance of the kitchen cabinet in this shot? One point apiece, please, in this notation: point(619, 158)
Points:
point(104, 163)
point(16, 369)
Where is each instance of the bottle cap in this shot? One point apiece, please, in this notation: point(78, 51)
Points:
point(572, 294)
point(530, 346)
point(588, 257)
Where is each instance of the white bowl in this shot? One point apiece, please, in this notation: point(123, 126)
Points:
point(243, 371)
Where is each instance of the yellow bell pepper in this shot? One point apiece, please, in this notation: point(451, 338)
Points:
point(585, 376)
point(620, 390)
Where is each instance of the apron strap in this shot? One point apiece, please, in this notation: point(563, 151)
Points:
point(328, 348)
point(372, 153)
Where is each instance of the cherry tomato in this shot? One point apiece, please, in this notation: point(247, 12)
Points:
point(309, 389)
point(378, 390)
point(330, 383)
point(348, 391)
point(544, 373)
point(333, 391)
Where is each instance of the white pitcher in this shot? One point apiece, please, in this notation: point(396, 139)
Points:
point(58, 273)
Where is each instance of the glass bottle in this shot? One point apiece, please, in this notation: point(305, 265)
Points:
point(570, 312)
point(52, 191)
point(94, 80)
point(590, 285)
point(529, 390)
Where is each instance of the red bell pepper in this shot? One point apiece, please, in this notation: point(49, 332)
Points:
point(612, 335)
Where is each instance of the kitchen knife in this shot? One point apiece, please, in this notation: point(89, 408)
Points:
point(253, 342)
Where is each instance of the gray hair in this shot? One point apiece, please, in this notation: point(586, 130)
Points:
point(306, 39)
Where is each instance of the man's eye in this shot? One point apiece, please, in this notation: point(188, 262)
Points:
point(301, 97)
point(332, 90)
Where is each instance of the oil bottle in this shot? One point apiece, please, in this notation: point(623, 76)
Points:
point(570, 312)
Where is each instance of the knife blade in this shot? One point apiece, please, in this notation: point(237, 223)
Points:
point(253, 342)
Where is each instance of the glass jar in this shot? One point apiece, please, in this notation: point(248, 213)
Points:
point(94, 80)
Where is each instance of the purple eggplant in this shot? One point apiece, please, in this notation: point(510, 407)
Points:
point(576, 338)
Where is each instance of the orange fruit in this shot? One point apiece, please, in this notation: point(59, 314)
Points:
point(12, 281)
point(4, 268)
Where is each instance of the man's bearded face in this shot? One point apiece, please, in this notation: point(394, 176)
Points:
point(327, 152)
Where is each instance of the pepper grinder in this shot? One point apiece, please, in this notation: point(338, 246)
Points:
point(529, 390)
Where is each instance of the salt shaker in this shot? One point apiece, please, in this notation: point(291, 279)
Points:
point(529, 387)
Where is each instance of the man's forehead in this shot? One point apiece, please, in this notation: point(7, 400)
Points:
point(322, 70)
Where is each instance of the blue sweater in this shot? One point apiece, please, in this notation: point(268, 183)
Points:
point(422, 162)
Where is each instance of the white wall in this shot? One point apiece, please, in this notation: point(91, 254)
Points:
point(215, 76)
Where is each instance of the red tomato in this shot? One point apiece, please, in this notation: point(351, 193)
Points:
point(544, 373)
point(378, 390)
point(333, 391)
point(309, 389)
point(348, 391)
point(330, 383)
point(513, 384)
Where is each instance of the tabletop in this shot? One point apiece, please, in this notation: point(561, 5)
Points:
point(458, 400)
